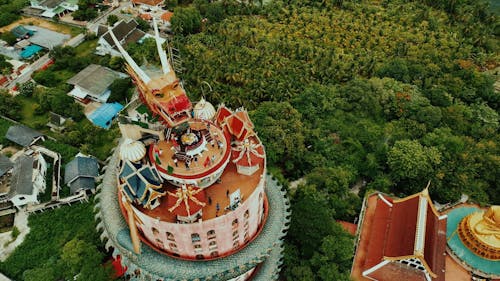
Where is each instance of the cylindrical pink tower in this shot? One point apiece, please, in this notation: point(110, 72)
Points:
point(186, 195)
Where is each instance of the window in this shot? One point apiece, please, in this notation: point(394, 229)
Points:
point(195, 237)
point(159, 243)
point(214, 254)
point(170, 236)
point(197, 246)
point(155, 231)
point(212, 243)
point(211, 234)
point(235, 223)
point(236, 244)
point(235, 234)
point(200, 257)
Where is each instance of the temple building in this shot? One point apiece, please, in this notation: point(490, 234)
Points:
point(187, 195)
point(409, 239)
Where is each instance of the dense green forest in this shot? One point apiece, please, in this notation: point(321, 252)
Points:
point(386, 95)
point(62, 243)
point(377, 95)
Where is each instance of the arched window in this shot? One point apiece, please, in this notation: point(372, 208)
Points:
point(200, 257)
point(211, 233)
point(212, 243)
point(235, 223)
point(247, 214)
point(214, 254)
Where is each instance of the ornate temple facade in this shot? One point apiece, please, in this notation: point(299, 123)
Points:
point(409, 239)
point(188, 197)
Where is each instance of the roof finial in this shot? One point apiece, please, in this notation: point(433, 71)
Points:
point(163, 57)
point(142, 75)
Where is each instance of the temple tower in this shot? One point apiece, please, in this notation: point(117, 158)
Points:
point(189, 197)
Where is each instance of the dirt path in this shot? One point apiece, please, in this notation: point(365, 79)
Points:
point(21, 222)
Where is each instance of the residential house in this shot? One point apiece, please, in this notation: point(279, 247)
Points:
point(80, 173)
point(28, 180)
point(51, 8)
point(92, 83)
point(23, 136)
point(125, 32)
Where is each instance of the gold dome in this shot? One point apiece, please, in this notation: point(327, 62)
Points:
point(132, 150)
point(480, 232)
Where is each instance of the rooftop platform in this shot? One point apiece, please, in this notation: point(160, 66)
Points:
point(206, 157)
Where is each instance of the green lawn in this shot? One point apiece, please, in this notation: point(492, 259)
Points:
point(28, 116)
point(86, 48)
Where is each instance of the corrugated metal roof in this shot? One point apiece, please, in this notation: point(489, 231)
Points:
point(22, 135)
point(21, 182)
point(5, 165)
point(104, 115)
point(95, 79)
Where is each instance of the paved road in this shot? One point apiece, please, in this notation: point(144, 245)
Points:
point(30, 69)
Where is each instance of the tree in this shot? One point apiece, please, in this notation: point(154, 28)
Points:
point(27, 88)
point(9, 105)
point(120, 90)
point(142, 24)
point(281, 130)
point(186, 20)
point(112, 19)
point(414, 163)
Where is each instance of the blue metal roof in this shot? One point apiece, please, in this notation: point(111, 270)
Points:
point(104, 115)
point(29, 51)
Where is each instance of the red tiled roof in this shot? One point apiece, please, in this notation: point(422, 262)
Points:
point(249, 159)
point(375, 250)
point(167, 16)
point(146, 16)
point(349, 227)
point(393, 234)
point(221, 114)
point(402, 228)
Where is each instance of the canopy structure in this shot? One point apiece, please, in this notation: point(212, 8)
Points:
point(104, 115)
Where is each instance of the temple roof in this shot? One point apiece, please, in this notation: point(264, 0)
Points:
point(408, 228)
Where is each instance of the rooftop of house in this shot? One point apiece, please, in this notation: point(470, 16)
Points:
point(5, 165)
point(21, 182)
point(81, 183)
point(81, 166)
point(50, 3)
point(22, 135)
point(125, 32)
point(95, 79)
